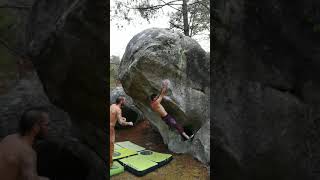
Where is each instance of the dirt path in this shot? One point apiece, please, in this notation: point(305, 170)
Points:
point(181, 167)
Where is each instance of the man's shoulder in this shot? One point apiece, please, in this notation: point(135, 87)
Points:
point(27, 152)
point(14, 146)
point(114, 107)
point(10, 138)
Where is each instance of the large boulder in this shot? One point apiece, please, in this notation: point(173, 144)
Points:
point(67, 158)
point(156, 54)
point(60, 155)
point(13, 22)
point(129, 110)
point(28, 92)
point(68, 44)
point(266, 90)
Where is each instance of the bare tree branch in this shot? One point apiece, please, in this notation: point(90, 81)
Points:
point(202, 34)
point(171, 1)
point(171, 5)
point(176, 26)
point(15, 7)
point(146, 8)
point(11, 50)
point(175, 8)
point(158, 6)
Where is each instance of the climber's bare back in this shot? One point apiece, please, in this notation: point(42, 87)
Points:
point(17, 159)
point(157, 107)
point(114, 112)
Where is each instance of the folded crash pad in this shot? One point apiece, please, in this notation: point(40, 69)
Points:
point(146, 161)
point(117, 168)
point(130, 145)
point(123, 152)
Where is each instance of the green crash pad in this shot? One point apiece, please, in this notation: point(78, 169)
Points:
point(145, 162)
point(123, 152)
point(117, 168)
point(137, 163)
point(130, 145)
point(117, 147)
point(154, 156)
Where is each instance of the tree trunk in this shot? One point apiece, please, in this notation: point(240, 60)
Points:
point(185, 17)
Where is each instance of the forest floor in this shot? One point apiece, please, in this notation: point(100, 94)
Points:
point(183, 166)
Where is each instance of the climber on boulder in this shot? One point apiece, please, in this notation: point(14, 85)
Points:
point(167, 118)
point(18, 160)
point(116, 115)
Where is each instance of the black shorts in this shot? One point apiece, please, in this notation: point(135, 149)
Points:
point(170, 121)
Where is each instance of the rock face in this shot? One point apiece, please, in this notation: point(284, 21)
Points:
point(157, 54)
point(129, 110)
point(67, 43)
point(26, 93)
point(60, 155)
point(14, 18)
point(67, 158)
point(13, 21)
point(266, 90)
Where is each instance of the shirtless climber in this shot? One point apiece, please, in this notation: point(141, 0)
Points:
point(157, 107)
point(18, 160)
point(116, 115)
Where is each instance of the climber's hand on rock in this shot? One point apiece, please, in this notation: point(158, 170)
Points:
point(165, 83)
point(130, 123)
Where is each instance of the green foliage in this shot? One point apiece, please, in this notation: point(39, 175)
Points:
point(114, 68)
point(8, 23)
point(316, 28)
point(8, 67)
point(6, 20)
point(113, 74)
point(7, 60)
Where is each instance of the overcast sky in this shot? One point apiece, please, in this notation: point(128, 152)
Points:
point(119, 38)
